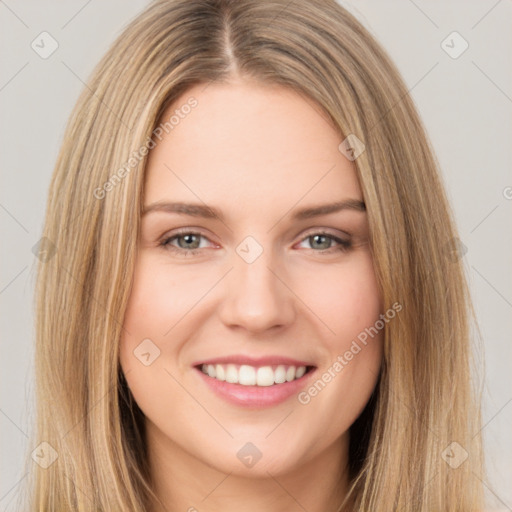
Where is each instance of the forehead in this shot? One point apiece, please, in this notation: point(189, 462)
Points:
point(249, 145)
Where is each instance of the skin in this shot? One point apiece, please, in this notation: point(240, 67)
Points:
point(257, 153)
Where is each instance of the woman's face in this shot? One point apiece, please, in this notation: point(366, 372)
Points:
point(256, 294)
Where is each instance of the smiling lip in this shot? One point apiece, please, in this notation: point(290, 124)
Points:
point(252, 361)
point(255, 396)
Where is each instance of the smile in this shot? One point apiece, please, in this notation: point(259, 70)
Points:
point(255, 383)
point(247, 375)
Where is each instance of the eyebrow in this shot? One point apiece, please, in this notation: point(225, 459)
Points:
point(200, 210)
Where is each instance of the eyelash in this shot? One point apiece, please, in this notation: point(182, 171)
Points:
point(343, 245)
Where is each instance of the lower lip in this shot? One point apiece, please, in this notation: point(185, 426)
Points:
point(255, 396)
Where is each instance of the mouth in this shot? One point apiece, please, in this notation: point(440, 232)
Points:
point(255, 383)
point(248, 375)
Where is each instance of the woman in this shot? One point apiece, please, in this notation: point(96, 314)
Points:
point(196, 348)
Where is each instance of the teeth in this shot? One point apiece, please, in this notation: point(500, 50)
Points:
point(301, 370)
point(231, 374)
point(251, 376)
point(280, 374)
point(220, 373)
point(265, 376)
point(247, 375)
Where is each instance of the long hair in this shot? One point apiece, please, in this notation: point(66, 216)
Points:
point(417, 444)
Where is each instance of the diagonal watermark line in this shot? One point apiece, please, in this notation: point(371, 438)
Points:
point(484, 218)
point(78, 216)
point(13, 279)
point(301, 300)
point(492, 81)
point(216, 487)
point(97, 301)
point(406, 507)
point(14, 76)
point(280, 423)
point(76, 14)
point(411, 409)
point(13, 423)
point(279, 13)
point(166, 333)
point(300, 199)
point(199, 403)
point(485, 15)
point(499, 293)
point(14, 14)
point(404, 95)
point(487, 423)
point(207, 85)
point(93, 502)
point(100, 100)
point(424, 14)
point(114, 383)
point(13, 487)
point(165, 165)
point(492, 491)
point(14, 218)
point(287, 492)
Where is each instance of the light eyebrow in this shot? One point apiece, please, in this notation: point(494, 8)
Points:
point(192, 209)
point(324, 209)
point(199, 210)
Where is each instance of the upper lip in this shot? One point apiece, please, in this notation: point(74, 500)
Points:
point(254, 361)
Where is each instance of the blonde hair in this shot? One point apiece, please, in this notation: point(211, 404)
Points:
point(424, 400)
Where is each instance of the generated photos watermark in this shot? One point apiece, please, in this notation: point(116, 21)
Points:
point(305, 397)
point(174, 120)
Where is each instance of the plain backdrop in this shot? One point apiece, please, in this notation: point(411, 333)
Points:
point(465, 103)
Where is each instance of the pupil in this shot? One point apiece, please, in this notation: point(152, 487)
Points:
point(326, 241)
point(189, 239)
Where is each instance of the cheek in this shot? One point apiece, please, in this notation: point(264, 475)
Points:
point(345, 298)
point(145, 313)
point(157, 303)
point(350, 306)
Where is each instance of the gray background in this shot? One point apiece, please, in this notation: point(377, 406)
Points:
point(465, 104)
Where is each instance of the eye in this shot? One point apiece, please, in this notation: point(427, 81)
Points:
point(324, 242)
point(188, 243)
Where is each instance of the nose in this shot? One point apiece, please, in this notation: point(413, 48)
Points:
point(257, 297)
